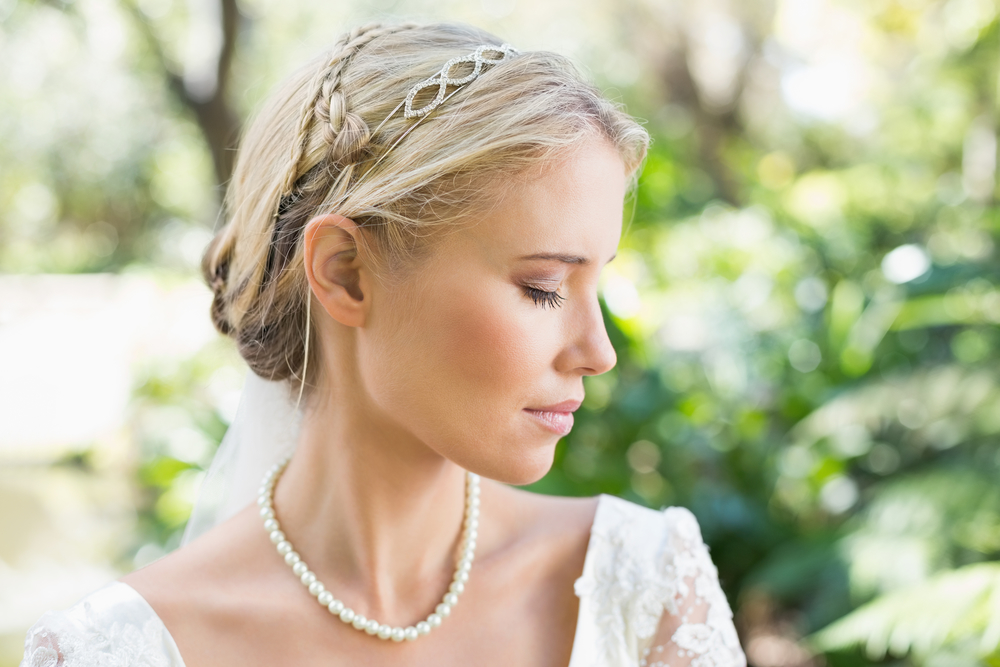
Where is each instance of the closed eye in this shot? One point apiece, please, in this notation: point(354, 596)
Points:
point(544, 298)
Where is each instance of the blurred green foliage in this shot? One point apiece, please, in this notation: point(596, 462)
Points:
point(805, 309)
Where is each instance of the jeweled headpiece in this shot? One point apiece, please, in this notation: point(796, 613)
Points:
point(443, 78)
point(484, 56)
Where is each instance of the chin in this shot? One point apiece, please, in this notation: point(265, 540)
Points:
point(526, 468)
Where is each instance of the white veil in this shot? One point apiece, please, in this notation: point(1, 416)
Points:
point(264, 429)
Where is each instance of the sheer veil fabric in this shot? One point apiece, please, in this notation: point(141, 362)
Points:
point(265, 429)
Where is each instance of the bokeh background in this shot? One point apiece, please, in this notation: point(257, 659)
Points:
point(805, 304)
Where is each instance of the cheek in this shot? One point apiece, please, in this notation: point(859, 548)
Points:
point(486, 348)
point(490, 358)
point(456, 369)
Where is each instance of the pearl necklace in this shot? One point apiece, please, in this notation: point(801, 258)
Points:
point(265, 500)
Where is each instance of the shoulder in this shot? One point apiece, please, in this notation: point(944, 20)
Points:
point(546, 532)
point(640, 561)
point(107, 626)
point(205, 583)
point(524, 514)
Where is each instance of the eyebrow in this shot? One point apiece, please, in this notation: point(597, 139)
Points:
point(562, 257)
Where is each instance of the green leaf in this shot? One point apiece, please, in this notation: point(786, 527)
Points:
point(948, 608)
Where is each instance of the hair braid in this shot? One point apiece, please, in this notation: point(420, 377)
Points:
point(344, 133)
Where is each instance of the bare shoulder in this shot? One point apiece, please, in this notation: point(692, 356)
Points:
point(210, 582)
point(558, 525)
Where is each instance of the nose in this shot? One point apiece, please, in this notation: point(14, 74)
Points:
point(588, 349)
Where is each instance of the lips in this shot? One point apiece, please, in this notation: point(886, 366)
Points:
point(566, 406)
point(557, 418)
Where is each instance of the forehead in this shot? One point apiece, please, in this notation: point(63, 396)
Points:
point(571, 206)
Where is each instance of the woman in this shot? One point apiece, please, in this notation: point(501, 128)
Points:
point(414, 257)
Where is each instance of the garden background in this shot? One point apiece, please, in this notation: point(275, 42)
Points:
point(805, 303)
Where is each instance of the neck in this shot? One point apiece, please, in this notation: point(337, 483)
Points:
point(374, 512)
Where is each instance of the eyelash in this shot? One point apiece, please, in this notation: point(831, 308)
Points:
point(544, 298)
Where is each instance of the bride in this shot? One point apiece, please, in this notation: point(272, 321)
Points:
point(416, 226)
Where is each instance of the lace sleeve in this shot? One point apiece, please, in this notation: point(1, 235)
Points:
point(696, 626)
point(113, 626)
point(650, 594)
point(41, 646)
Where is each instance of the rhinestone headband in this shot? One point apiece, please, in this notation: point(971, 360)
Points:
point(484, 56)
point(443, 78)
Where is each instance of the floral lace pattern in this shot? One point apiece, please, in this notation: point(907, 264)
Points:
point(650, 594)
point(113, 627)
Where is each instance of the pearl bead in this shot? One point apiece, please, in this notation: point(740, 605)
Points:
point(315, 588)
point(384, 631)
point(292, 558)
point(451, 599)
point(266, 513)
point(284, 547)
point(423, 628)
point(372, 626)
point(277, 537)
point(443, 610)
point(336, 607)
point(474, 501)
point(347, 615)
point(434, 620)
point(270, 525)
point(456, 587)
point(398, 634)
point(462, 576)
point(263, 500)
point(300, 568)
point(325, 598)
point(470, 545)
point(359, 622)
point(410, 633)
point(307, 578)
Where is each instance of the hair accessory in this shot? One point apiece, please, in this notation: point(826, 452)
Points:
point(443, 78)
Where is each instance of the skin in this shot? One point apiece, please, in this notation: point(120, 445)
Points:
point(421, 381)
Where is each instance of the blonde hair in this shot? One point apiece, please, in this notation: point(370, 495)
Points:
point(310, 150)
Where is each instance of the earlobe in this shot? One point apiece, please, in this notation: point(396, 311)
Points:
point(334, 267)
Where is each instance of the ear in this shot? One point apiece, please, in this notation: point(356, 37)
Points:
point(334, 268)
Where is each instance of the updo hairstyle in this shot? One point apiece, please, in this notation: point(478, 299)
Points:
point(310, 150)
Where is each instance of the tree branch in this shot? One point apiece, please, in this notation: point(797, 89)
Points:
point(216, 119)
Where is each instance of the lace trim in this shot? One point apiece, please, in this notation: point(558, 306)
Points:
point(96, 633)
point(654, 592)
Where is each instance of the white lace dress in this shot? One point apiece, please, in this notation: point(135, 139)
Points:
point(649, 597)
